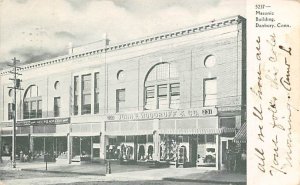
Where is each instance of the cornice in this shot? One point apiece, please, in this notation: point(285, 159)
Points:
point(137, 42)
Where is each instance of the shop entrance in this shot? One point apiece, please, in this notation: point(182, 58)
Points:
point(226, 150)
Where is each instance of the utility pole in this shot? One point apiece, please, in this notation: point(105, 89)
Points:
point(17, 86)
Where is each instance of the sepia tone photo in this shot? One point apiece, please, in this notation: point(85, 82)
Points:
point(125, 91)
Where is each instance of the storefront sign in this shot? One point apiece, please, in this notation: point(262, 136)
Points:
point(52, 121)
point(199, 112)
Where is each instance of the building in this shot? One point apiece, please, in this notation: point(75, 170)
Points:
point(178, 96)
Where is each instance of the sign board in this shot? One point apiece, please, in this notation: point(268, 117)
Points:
point(196, 112)
point(96, 145)
point(51, 121)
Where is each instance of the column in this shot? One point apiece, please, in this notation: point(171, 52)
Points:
point(69, 152)
point(156, 140)
point(218, 151)
point(103, 141)
point(31, 143)
point(92, 155)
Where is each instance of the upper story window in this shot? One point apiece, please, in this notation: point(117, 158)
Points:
point(210, 92)
point(162, 87)
point(210, 61)
point(86, 94)
point(76, 94)
point(120, 100)
point(121, 75)
point(11, 108)
point(56, 85)
point(96, 92)
point(56, 106)
point(32, 106)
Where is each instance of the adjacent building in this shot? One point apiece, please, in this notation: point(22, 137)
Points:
point(178, 97)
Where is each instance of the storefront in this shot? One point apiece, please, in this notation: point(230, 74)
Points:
point(191, 137)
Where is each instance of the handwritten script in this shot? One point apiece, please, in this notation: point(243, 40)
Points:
point(273, 108)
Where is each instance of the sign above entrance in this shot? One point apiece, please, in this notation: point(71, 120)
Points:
point(186, 113)
point(51, 121)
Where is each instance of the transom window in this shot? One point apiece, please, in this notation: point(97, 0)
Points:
point(162, 87)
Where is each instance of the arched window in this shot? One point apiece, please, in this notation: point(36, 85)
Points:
point(32, 106)
point(162, 87)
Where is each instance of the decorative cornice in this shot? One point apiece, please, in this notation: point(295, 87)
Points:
point(154, 38)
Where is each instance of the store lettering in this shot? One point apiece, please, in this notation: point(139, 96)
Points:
point(164, 114)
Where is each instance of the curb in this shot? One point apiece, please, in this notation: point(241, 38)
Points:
point(50, 171)
point(206, 181)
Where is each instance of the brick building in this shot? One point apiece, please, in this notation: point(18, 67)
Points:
point(177, 97)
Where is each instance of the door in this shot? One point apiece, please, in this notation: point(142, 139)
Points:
point(226, 144)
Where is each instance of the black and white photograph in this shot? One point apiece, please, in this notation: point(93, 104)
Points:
point(131, 92)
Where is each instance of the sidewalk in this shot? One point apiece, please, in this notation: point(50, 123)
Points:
point(136, 172)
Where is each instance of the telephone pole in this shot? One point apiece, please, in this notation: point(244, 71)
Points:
point(17, 86)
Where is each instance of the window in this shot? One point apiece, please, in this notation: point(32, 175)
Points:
point(121, 75)
point(39, 109)
point(150, 98)
point(76, 86)
point(210, 61)
point(11, 108)
point(162, 89)
point(120, 99)
point(96, 93)
point(174, 95)
point(56, 106)
point(56, 85)
point(162, 95)
point(210, 92)
point(32, 105)
point(86, 94)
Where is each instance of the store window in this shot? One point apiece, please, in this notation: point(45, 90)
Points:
point(96, 92)
point(56, 106)
point(120, 99)
point(11, 108)
point(210, 92)
point(162, 87)
point(86, 94)
point(32, 103)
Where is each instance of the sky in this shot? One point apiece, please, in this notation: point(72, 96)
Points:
point(34, 30)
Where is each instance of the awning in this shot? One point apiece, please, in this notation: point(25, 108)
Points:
point(241, 135)
point(198, 131)
point(129, 133)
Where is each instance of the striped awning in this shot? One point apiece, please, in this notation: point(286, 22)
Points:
point(241, 135)
point(198, 131)
point(129, 133)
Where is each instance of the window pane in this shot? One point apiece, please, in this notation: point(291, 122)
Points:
point(120, 100)
point(86, 104)
point(76, 83)
point(210, 95)
point(86, 99)
point(97, 76)
point(56, 106)
point(162, 90)
point(162, 71)
point(39, 109)
point(96, 103)
point(150, 100)
point(75, 105)
point(86, 82)
point(211, 86)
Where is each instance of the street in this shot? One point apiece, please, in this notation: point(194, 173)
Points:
point(9, 177)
